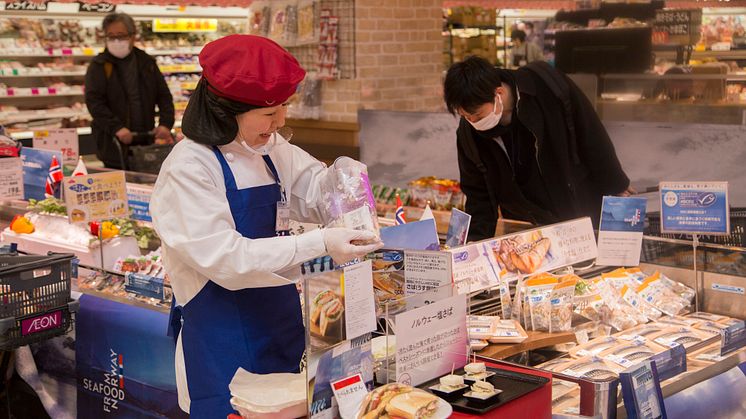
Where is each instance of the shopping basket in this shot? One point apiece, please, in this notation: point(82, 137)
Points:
point(142, 158)
point(35, 295)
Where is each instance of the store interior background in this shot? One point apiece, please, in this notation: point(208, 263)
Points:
point(384, 100)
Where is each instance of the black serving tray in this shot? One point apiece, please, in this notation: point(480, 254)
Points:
point(513, 385)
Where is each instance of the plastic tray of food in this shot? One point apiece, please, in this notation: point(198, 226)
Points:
point(512, 385)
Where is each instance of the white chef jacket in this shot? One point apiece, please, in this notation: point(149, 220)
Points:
point(199, 241)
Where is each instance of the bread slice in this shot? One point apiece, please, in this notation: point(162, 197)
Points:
point(413, 405)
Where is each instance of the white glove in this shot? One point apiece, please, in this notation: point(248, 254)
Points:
point(345, 244)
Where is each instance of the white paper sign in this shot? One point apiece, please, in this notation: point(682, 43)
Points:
point(430, 340)
point(620, 231)
point(349, 392)
point(64, 140)
point(11, 178)
point(426, 272)
point(360, 306)
point(474, 268)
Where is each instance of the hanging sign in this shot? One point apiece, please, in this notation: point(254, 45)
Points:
point(35, 6)
point(185, 25)
point(102, 7)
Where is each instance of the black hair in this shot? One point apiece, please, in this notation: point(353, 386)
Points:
point(123, 18)
point(519, 35)
point(470, 84)
point(529, 24)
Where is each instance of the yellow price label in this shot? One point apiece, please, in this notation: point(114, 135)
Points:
point(88, 51)
point(41, 134)
point(185, 25)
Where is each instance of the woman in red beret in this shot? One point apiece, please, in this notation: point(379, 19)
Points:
point(220, 206)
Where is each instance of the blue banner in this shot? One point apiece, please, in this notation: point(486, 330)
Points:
point(623, 214)
point(36, 164)
point(125, 362)
point(695, 208)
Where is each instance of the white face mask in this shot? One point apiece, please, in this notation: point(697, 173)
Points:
point(118, 48)
point(490, 121)
point(264, 149)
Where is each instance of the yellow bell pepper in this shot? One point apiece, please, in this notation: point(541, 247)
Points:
point(21, 225)
point(109, 230)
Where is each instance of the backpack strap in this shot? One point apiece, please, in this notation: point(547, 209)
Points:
point(561, 90)
point(108, 68)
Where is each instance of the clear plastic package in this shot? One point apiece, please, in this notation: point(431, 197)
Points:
point(560, 302)
point(656, 291)
point(635, 300)
point(347, 197)
point(539, 290)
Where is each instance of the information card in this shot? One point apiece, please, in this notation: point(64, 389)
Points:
point(11, 178)
point(425, 273)
point(360, 307)
point(695, 208)
point(430, 340)
point(620, 231)
point(101, 196)
point(641, 390)
point(64, 140)
point(349, 393)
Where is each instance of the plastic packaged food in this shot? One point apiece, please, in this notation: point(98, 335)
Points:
point(508, 331)
point(595, 346)
point(592, 367)
point(618, 279)
point(631, 353)
point(306, 21)
point(655, 291)
point(685, 336)
point(561, 307)
point(708, 316)
point(636, 301)
point(623, 315)
point(539, 290)
point(347, 197)
point(678, 321)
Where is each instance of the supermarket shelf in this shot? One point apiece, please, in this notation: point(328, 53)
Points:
point(739, 54)
point(37, 116)
point(175, 51)
point(46, 74)
point(64, 94)
point(77, 52)
point(27, 135)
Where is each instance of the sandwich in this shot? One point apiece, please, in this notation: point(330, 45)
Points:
point(451, 382)
point(475, 368)
point(412, 405)
point(374, 403)
point(482, 388)
point(331, 312)
point(319, 301)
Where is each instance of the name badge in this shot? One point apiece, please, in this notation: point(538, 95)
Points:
point(282, 222)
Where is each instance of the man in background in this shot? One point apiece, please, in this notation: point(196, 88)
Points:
point(123, 86)
point(523, 52)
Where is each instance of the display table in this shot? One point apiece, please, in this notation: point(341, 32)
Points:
point(534, 405)
point(535, 340)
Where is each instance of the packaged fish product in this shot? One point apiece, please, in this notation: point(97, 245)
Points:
point(631, 353)
point(595, 346)
point(684, 336)
point(618, 279)
point(539, 290)
point(681, 290)
point(635, 300)
point(347, 197)
point(592, 367)
point(655, 291)
point(637, 274)
point(561, 304)
point(701, 315)
point(678, 321)
point(623, 315)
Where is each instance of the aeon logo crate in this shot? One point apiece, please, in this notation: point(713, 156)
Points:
point(112, 388)
point(41, 323)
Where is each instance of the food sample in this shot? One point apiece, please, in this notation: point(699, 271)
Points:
point(451, 382)
point(475, 368)
point(397, 400)
point(482, 387)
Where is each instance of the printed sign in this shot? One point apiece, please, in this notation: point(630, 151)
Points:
point(620, 231)
point(360, 307)
point(671, 362)
point(35, 6)
point(64, 140)
point(138, 199)
point(101, 196)
point(349, 393)
point(695, 208)
point(41, 323)
point(185, 25)
point(641, 390)
point(482, 265)
point(425, 273)
point(36, 165)
point(458, 228)
point(11, 178)
point(430, 340)
point(96, 7)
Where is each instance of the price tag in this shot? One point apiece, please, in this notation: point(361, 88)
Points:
point(349, 393)
point(88, 51)
point(64, 140)
point(11, 178)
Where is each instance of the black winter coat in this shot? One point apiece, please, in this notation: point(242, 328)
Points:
point(577, 174)
point(106, 99)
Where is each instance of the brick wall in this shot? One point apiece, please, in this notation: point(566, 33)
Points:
point(398, 60)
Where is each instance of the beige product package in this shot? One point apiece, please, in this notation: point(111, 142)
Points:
point(508, 331)
point(686, 336)
point(595, 346)
point(592, 367)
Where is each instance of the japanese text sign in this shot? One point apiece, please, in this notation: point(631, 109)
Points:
point(96, 197)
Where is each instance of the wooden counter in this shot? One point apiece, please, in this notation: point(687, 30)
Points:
point(536, 340)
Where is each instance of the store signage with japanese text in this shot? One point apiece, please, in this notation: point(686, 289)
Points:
point(101, 196)
point(620, 231)
point(430, 340)
point(695, 208)
point(425, 274)
point(138, 199)
point(641, 390)
point(64, 140)
point(360, 306)
point(185, 25)
point(349, 393)
point(11, 178)
point(102, 7)
point(35, 6)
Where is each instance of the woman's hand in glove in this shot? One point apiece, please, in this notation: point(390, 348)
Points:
point(344, 244)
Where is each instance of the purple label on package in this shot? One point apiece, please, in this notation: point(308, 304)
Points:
point(366, 184)
point(41, 323)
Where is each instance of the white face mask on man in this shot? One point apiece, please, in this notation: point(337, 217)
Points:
point(490, 121)
point(119, 48)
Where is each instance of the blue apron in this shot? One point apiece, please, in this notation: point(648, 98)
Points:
point(258, 329)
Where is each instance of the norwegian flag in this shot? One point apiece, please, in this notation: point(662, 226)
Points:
point(54, 179)
point(399, 214)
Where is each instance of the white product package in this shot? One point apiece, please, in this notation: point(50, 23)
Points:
point(347, 199)
point(281, 396)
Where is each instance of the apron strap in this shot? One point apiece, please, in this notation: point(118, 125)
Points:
point(174, 320)
point(230, 181)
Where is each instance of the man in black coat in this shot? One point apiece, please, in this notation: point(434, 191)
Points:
point(123, 85)
point(519, 153)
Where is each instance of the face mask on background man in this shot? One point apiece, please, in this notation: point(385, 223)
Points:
point(119, 48)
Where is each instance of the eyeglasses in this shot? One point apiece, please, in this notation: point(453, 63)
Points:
point(124, 37)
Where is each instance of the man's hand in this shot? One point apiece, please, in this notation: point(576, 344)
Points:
point(124, 135)
point(628, 192)
point(163, 135)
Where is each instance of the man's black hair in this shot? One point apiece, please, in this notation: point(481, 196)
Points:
point(519, 35)
point(470, 84)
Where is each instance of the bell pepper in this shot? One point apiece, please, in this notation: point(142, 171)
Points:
point(21, 225)
point(94, 226)
point(109, 230)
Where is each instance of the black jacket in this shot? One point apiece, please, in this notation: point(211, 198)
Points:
point(106, 99)
point(577, 173)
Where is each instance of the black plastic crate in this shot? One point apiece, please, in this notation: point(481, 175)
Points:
point(148, 159)
point(35, 296)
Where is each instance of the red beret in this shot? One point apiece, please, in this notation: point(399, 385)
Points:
point(250, 69)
